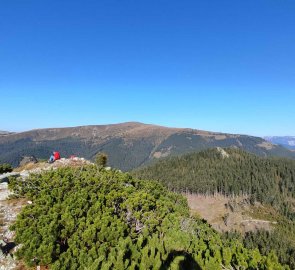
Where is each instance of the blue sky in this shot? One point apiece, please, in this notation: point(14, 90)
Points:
point(216, 65)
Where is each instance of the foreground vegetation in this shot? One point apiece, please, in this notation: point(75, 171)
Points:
point(90, 218)
point(4, 168)
point(280, 241)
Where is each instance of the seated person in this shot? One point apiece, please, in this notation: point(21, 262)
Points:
point(51, 159)
point(56, 155)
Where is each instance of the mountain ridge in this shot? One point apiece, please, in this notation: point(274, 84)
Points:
point(5, 133)
point(128, 145)
point(286, 141)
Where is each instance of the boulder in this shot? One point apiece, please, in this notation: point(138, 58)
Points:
point(28, 159)
point(5, 176)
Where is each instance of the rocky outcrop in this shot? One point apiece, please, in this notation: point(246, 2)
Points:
point(28, 159)
point(223, 153)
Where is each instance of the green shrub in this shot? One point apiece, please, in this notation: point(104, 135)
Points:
point(89, 218)
point(4, 168)
point(101, 159)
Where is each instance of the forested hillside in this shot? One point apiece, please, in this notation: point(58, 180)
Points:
point(267, 180)
point(91, 218)
point(270, 181)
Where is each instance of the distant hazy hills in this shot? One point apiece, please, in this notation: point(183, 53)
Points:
point(4, 133)
point(286, 141)
point(128, 145)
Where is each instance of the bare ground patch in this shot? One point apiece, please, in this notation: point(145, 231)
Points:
point(228, 213)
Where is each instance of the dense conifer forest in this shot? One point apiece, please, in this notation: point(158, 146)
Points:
point(233, 172)
point(92, 218)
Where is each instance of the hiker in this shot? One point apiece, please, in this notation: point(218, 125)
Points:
point(51, 159)
point(56, 155)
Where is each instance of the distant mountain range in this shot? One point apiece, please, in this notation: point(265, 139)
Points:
point(128, 145)
point(286, 141)
point(4, 133)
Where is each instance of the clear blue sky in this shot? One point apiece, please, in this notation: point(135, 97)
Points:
point(215, 65)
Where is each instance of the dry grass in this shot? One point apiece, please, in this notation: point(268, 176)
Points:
point(30, 166)
point(266, 145)
point(231, 213)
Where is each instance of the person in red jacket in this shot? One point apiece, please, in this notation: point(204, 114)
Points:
point(56, 155)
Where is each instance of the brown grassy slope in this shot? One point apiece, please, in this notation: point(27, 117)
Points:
point(231, 213)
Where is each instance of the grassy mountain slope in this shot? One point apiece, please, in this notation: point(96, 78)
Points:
point(128, 145)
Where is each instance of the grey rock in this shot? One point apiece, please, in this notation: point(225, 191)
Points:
point(5, 176)
point(28, 159)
